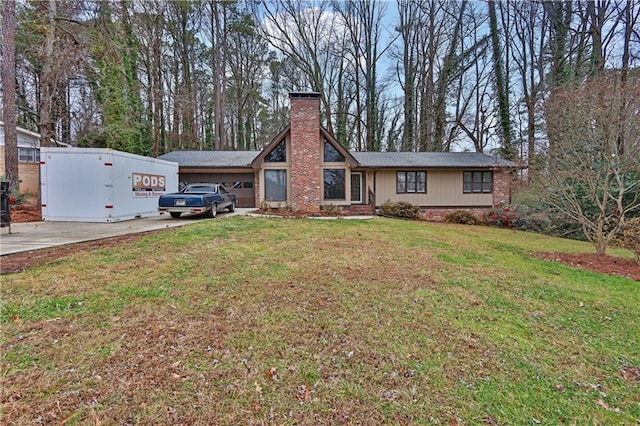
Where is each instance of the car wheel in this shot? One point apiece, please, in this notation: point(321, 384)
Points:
point(175, 215)
point(232, 206)
point(214, 211)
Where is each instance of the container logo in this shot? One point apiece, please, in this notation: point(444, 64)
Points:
point(146, 185)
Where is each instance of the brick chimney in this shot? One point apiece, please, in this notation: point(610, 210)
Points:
point(306, 151)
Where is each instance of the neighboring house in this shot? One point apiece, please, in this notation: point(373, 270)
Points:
point(305, 168)
point(28, 159)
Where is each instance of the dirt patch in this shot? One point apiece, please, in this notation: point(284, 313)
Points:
point(17, 262)
point(609, 265)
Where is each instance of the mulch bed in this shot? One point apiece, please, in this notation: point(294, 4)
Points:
point(609, 265)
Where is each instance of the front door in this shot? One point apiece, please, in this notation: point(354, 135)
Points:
point(356, 188)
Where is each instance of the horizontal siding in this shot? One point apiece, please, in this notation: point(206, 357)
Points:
point(444, 189)
point(28, 175)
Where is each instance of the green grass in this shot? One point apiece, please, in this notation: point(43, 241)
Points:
point(250, 320)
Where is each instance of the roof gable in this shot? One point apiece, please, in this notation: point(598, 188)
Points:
point(346, 154)
point(259, 159)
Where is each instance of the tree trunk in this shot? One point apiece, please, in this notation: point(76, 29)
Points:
point(47, 83)
point(218, 66)
point(9, 93)
point(502, 88)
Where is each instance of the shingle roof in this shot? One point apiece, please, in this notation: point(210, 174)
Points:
point(429, 159)
point(211, 158)
point(232, 159)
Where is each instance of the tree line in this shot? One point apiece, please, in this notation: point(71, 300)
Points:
point(154, 76)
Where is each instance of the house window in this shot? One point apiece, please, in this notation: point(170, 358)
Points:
point(356, 187)
point(331, 154)
point(28, 155)
point(275, 185)
point(277, 154)
point(477, 182)
point(409, 182)
point(334, 184)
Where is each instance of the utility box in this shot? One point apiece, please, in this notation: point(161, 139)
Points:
point(102, 185)
point(5, 206)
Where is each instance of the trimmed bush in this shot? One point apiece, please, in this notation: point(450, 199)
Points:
point(400, 209)
point(463, 217)
point(629, 236)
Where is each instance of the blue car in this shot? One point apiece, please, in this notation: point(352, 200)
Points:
point(205, 199)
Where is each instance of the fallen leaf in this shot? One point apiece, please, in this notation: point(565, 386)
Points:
point(603, 404)
point(303, 393)
point(630, 373)
point(258, 387)
point(270, 373)
point(256, 406)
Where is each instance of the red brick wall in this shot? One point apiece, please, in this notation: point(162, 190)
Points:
point(305, 151)
point(501, 187)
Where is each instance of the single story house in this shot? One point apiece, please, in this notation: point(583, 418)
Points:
point(28, 159)
point(306, 168)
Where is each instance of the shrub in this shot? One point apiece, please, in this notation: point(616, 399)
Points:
point(400, 209)
point(629, 236)
point(463, 217)
point(517, 217)
point(332, 209)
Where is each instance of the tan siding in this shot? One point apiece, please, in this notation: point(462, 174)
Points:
point(28, 175)
point(444, 188)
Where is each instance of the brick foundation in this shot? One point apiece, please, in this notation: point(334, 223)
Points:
point(357, 210)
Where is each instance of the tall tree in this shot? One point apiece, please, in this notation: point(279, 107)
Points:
point(150, 33)
point(48, 75)
point(9, 93)
point(218, 39)
point(363, 22)
point(303, 35)
point(527, 37)
point(408, 23)
point(502, 86)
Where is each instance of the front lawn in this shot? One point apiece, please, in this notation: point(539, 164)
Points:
point(264, 320)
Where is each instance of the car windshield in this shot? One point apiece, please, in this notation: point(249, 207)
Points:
point(201, 188)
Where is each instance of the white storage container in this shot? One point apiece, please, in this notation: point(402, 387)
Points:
point(102, 185)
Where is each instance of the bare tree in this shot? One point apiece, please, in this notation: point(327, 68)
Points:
point(363, 21)
point(527, 37)
point(218, 37)
point(587, 179)
point(9, 92)
point(431, 60)
point(304, 35)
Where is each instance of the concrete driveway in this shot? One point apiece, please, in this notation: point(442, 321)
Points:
point(38, 235)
